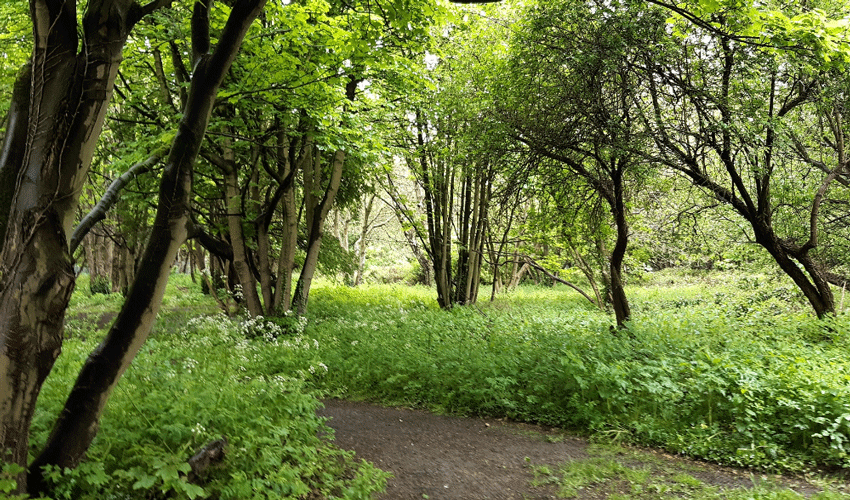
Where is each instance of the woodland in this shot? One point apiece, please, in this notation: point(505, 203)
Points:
point(260, 202)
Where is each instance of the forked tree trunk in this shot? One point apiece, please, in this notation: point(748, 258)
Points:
point(288, 246)
point(78, 423)
point(476, 202)
point(438, 186)
point(291, 159)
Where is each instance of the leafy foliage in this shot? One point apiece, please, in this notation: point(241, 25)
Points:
point(196, 381)
point(724, 370)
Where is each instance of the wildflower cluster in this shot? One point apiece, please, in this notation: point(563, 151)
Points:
point(209, 331)
point(271, 329)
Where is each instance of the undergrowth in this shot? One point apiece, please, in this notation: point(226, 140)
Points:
point(731, 369)
point(198, 379)
point(735, 371)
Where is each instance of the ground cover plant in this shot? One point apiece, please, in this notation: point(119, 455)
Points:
point(730, 368)
point(200, 377)
point(619, 473)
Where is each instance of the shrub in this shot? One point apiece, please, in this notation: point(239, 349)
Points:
point(100, 284)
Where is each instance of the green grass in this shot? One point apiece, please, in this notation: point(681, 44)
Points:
point(618, 473)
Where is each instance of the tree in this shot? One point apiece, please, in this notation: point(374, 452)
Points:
point(56, 116)
point(725, 114)
point(577, 61)
point(57, 111)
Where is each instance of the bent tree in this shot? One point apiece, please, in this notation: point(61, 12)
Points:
point(55, 118)
point(579, 62)
point(741, 122)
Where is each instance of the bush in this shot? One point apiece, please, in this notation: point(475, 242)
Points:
point(100, 284)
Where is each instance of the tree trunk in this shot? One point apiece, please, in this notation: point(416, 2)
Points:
point(317, 212)
point(288, 247)
point(362, 243)
point(290, 159)
point(622, 311)
point(811, 280)
point(237, 236)
point(265, 267)
point(478, 232)
point(56, 115)
point(438, 186)
point(78, 423)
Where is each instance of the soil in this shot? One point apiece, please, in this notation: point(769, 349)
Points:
point(445, 457)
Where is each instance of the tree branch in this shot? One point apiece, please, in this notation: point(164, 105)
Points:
point(110, 197)
point(542, 269)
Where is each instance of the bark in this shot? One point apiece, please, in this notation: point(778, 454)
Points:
point(473, 228)
point(264, 265)
point(288, 247)
point(262, 225)
point(317, 212)
point(78, 422)
point(622, 311)
point(518, 273)
point(55, 118)
point(110, 197)
point(291, 158)
point(438, 186)
point(362, 244)
point(235, 215)
point(99, 252)
point(464, 252)
point(126, 269)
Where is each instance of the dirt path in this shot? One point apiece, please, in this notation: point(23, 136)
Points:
point(453, 458)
